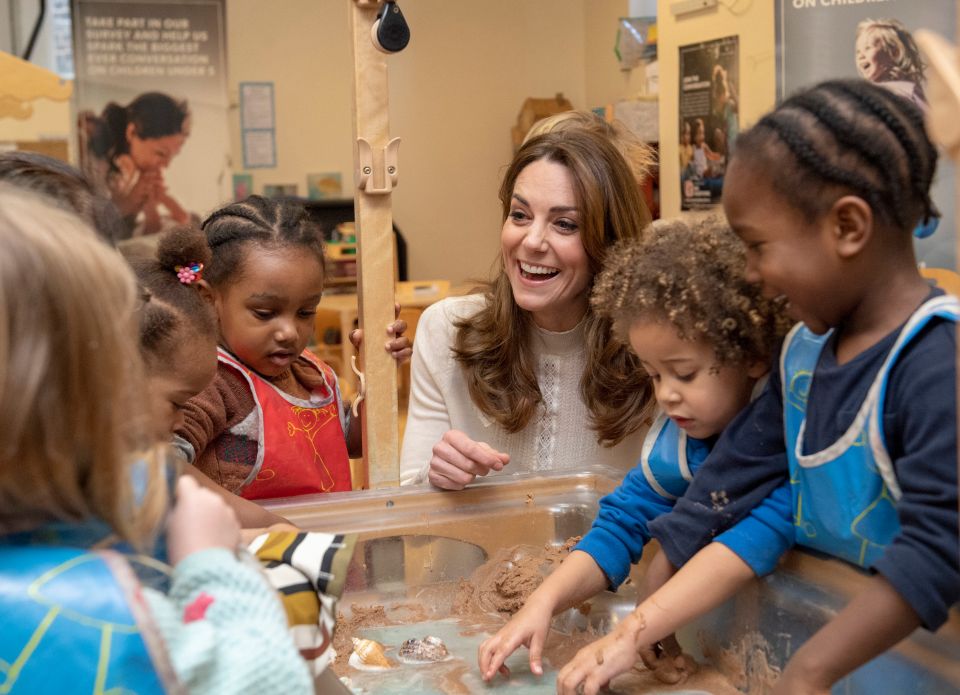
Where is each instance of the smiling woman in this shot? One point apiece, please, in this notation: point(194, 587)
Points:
point(127, 149)
point(526, 376)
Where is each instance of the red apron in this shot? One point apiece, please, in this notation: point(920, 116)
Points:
point(301, 451)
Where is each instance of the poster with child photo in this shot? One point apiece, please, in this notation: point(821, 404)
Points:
point(874, 41)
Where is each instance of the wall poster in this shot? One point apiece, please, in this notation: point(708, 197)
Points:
point(819, 40)
point(152, 106)
point(709, 118)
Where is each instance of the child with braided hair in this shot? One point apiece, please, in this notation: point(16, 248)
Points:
point(705, 336)
point(859, 421)
point(178, 343)
point(272, 423)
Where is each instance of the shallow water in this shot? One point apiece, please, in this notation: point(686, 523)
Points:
point(460, 674)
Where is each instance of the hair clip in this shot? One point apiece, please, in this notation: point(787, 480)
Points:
point(189, 273)
point(926, 227)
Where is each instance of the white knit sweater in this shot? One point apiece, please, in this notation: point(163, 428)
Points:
point(557, 438)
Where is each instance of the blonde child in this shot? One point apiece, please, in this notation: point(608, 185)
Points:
point(705, 336)
point(76, 502)
point(272, 423)
point(859, 421)
point(887, 54)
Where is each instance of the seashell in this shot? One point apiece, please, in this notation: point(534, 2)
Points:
point(368, 654)
point(422, 651)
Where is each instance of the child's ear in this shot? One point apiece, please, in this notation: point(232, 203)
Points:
point(852, 222)
point(757, 369)
point(206, 291)
point(131, 131)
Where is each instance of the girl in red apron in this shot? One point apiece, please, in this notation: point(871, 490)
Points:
point(272, 423)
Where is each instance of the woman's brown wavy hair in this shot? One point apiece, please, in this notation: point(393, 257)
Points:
point(493, 346)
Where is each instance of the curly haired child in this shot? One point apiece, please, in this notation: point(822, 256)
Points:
point(705, 336)
point(859, 422)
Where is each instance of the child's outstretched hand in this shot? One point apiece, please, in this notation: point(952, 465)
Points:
point(528, 627)
point(398, 346)
point(598, 663)
point(200, 520)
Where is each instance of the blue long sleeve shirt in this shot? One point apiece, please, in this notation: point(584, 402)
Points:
point(620, 530)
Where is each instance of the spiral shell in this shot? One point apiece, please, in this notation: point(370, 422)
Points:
point(425, 650)
point(368, 654)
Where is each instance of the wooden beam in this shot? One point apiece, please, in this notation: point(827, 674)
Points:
point(375, 247)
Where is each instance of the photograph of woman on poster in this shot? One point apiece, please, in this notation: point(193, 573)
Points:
point(126, 150)
point(887, 54)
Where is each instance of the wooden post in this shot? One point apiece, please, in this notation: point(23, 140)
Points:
point(375, 169)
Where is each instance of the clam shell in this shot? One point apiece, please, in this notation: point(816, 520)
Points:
point(370, 654)
point(423, 650)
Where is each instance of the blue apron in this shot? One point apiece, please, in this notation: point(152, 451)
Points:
point(844, 497)
point(669, 458)
point(75, 622)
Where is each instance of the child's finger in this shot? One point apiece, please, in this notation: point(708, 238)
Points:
point(396, 310)
point(484, 655)
point(536, 651)
point(397, 328)
point(399, 354)
point(570, 678)
point(492, 655)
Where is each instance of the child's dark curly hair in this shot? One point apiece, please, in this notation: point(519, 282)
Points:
point(172, 310)
point(691, 276)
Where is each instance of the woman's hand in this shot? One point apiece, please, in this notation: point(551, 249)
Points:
point(199, 520)
point(528, 627)
point(458, 460)
point(131, 202)
point(598, 663)
point(399, 347)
